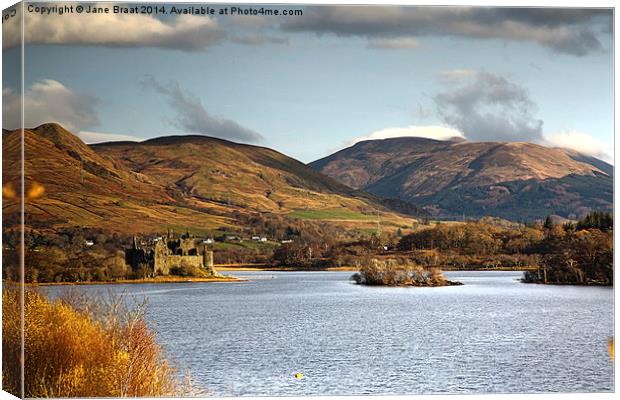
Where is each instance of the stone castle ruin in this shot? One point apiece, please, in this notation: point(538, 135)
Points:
point(165, 253)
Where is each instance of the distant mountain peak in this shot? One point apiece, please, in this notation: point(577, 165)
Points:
point(516, 180)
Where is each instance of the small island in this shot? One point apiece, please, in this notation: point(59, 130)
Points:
point(402, 272)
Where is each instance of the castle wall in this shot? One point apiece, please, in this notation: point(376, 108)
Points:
point(169, 254)
point(188, 246)
point(163, 264)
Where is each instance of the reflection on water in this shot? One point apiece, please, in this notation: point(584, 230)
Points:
point(494, 334)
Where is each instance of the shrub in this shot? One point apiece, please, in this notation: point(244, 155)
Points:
point(79, 347)
point(397, 273)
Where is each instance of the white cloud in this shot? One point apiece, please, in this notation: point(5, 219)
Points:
point(394, 43)
point(102, 137)
point(436, 132)
point(49, 101)
point(581, 142)
point(184, 32)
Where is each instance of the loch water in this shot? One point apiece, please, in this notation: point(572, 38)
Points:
point(494, 334)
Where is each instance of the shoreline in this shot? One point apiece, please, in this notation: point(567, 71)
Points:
point(147, 280)
point(584, 284)
point(241, 268)
point(262, 267)
point(265, 267)
point(415, 285)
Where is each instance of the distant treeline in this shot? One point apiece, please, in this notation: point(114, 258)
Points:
point(66, 256)
point(579, 253)
point(90, 254)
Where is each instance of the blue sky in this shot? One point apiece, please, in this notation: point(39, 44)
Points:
point(308, 85)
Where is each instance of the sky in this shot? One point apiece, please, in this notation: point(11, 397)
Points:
point(308, 85)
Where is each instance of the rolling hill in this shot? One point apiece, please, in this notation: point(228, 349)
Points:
point(197, 182)
point(518, 181)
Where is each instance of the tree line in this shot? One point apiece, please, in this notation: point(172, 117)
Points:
point(571, 253)
point(578, 252)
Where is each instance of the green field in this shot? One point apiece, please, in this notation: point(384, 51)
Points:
point(340, 214)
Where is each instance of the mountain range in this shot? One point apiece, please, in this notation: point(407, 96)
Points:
point(205, 184)
point(176, 182)
point(455, 178)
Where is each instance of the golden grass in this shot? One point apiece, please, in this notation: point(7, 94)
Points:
point(80, 347)
point(11, 341)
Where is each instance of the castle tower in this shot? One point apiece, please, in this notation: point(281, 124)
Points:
point(207, 260)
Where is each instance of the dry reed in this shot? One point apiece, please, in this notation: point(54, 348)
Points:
point(77, 346)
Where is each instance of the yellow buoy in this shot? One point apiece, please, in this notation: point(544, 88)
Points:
point(298, 375)
point(611, 348)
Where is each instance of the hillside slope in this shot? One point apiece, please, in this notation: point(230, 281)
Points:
point(196, 182)
point(232, 174)
point(450, 178)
